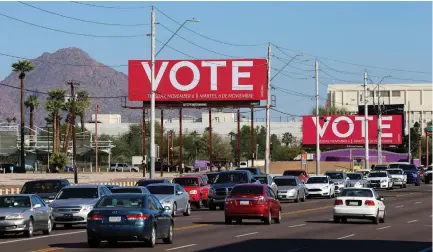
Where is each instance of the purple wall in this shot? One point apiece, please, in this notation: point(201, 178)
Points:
point(347, 155)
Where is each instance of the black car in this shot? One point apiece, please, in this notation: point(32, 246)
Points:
point(46, 189)
point(253, 170)
point(9, 168)
point(146, 182)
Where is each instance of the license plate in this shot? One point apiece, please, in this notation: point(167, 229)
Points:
point(353, 203)
point(114, 219)
point(244, 202)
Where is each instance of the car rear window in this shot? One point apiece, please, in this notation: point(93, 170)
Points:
point(293, 173)
point(33, 187)
point(123, 202)
point(377, 175)
point(186, 181)
point(126, 190)
point(148, 182)
point(263, 180)
point(169, 189)
point(356, 193)
point(285, 182)
point(78, 193)
point(354, 176)
point(395, 172)
point(256, 190)
point(380, 167)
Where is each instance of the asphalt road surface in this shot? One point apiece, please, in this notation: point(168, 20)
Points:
point(305, 227)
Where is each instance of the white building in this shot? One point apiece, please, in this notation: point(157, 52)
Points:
point(351, 96)
point(108, 118)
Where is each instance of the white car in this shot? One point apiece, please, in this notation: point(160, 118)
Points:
point(359, 203)
point(398, 177)
point(380, 179)
point(320, 186)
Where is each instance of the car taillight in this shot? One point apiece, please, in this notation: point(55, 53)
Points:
point(369, 203)
point(95, 217)
point(338, 202)
point(261, 201)
point(137, 217)
point(229, 201)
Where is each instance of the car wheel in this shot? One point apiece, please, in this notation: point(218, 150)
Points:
point(188, 210)
point(330, 195)
point(344, 219)
point(278, 219)
point(418, 184)
point(29, 231)
point(152, 241)
point(392, 187)
point(303, 198)
point(405, 186)
point(2, 235)
point(93, 242)
point(49, 227)
point(239, 221)
point(382, 220)
point(376, 219)
point(212, 206)
point(268, 220)
point(297, 197)
point(174, 212)
point(227, 220)
point(199, 204)
point(169, 239)
point(402, 186)
point(336, 219)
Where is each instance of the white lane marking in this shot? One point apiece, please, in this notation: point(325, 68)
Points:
point(426, 250)
point(298, 249)
point(419, 202)
point(42, 237)
point(186, 246)
point(383, 227)
point(246, 234)
point(300, 225)
point(412, 221)
point(399, 206)
point(347, 236)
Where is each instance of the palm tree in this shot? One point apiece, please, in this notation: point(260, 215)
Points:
point(22, 67)
point(323, 111)
point(32, 103)
point(55, 102)
point(287, 138)
point(67, 107)
point(83, 103)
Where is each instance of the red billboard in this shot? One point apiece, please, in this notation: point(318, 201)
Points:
point(199, 80)
point(349, 130)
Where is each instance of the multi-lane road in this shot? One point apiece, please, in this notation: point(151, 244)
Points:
point(306, 227)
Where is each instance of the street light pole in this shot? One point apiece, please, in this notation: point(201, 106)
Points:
point(268, 119)
point(317, 119)
point(366, 122)
point(73, 84)
point(152, 98)
point(379, 123)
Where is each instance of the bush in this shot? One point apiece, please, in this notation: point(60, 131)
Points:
point(59, 161)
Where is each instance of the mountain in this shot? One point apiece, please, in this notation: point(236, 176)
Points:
point(73, 64)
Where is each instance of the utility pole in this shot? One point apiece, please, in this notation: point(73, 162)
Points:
point(268, 116)
point(96, 139)
point(379, 127)
point(152, 98)
point(409, 151)
point(73, 84)
point(317, 118)
point(366, 121)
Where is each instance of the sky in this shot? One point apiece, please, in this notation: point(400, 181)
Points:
point(392, 35)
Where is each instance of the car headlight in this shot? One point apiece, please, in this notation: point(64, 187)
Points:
point(325, 187)
point(357, 184)
point(167, 201)
point(14, 217)
point(86, 208)
point(193, 192)
point(291, 192)
point(382, 180)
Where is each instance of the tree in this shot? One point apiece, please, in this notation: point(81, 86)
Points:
point(221, 149)
point(323, 111)
point(415, 135)
point(55, 102)
point(32, 103)
point(83, 104)
point(22, 67)
point(288, 138)
point(59, 160)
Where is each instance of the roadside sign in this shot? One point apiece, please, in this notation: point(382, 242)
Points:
point(304, 158)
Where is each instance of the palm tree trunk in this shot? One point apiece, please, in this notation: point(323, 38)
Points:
point(82, 122)
point(22, 124)
point(54, 132)
point(32, 111)
point(67, 135)
point(58, 133)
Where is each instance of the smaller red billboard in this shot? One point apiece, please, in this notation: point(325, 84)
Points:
point(350, 130)
point(199, 80)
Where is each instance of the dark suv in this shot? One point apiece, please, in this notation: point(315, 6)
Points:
point(253, 170)
point(46, 189)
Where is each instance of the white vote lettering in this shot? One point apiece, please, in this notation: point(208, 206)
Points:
point(351, 124)
point(213, 72)
point(386, 126)
point(349, 131)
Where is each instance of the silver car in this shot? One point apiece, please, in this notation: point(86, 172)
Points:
point(290, 188)
point(357, 180)
point(24, 213)
point(172, 197)
point(340, 180)
point(265, 179)
point(74, 202)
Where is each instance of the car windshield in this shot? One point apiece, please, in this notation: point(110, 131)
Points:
point(354, 176)
point(148, 182)
point(317, 180)
point(186, 181)
point(236, 177)
point(126, 190)
point(293, 173)
point(377, 175)
point(380, 167)
point(408, 167)
point(334, 175)
point(35, 187)
point(256, 190)
point(252, 170)
point(263, 180)
point(78, 193)
point(395, 172)
point(211, 177)
point(285, 182)
point(168, 189)
point(121, 202)
point(15, 202)
point(356, 193)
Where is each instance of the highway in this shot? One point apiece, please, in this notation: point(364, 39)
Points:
point(305, 227)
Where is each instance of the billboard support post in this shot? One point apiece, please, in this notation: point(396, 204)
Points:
point(268, 115)
point(152, 97)
point(210, 140)
point(180, 141)
point(161, 154)
point(409, 151)
point(366, 121)
point(317, 119)
point(252, 137)
point(238, 149)
point(143, 140)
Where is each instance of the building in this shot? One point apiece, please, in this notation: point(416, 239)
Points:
point(108, 118)
point(418, 95)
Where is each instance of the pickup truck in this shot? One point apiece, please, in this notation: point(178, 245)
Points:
point(224, 184)
point(398, 177)
point(253, 170)
point(197, 189)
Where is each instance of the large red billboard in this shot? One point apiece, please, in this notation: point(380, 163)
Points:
point(349, 130)
point(199, 80)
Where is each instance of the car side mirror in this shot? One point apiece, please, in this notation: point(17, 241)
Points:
point(37, 206)
point(381, 198)
point(166, 208)
point(179, 193)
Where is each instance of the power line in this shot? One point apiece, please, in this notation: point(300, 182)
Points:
point(112, 7)
point(73, 33)
point(209, 38)
point(77, 19)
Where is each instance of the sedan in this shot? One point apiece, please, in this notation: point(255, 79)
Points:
point(129, 217)
point(172, 196)
point(356, 179)
point(265, 179)
point(290, 188)
point(24, 213)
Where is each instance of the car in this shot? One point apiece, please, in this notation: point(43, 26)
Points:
point(252, 201)
point(130, 189)
point(301, 174)
point(364, 172)
point(290, 188)
point(359, 203)
point(74, 202)
point(123, 167)
point(428, 174)
point(129, 217)
point(380, 179)
point(381, 167)
point(146, 182)
point(203, 176)
point(253, 170)
point(421, 173)
point(211, 177)
point(266, 179)
point(197, 189)
point(46, 189)
point(339, 178)
point(412, 172)
point(320, 186)
point(399, 178)
point(357, 180)
point(172, 196)
point(224, 183)
point(24, 213)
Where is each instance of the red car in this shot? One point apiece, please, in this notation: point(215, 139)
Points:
point(301, 174)
point(197, 189)
point(252, 201)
